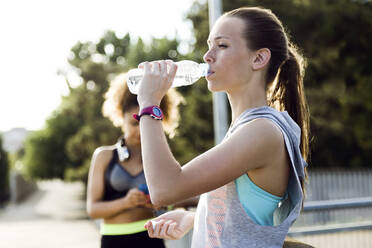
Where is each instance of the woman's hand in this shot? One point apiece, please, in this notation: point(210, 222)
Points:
point(157, 79)
point(136, 198)
point(171, 225)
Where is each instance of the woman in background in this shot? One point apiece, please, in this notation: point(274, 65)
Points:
point(116, 175)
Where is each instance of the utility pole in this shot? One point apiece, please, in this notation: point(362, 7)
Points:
point(220, 119)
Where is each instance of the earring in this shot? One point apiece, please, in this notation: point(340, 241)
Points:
point(123, 152)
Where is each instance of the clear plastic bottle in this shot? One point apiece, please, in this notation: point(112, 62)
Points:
point(188, 72)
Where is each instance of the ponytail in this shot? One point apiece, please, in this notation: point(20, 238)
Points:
point(288, 94)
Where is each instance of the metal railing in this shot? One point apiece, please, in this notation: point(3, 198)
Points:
point(338, 210)
point(333, 205)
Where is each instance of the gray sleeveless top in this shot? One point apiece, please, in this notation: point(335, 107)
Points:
point(220, 219)
point(118, 181)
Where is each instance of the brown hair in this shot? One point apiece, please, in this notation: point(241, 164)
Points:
point(118, 99)
point(284, 79)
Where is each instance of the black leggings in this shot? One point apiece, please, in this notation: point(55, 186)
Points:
point(136, 240)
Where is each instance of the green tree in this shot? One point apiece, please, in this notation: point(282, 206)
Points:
point(64, 148)
point(335, 37)
point(77, 127)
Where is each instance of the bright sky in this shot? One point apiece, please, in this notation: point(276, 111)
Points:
point(36, 37)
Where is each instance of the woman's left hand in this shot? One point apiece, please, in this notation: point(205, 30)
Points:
point(171, 225)
point(157, 79)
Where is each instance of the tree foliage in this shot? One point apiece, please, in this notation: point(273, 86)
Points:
point(335, 37)
point(63, 149)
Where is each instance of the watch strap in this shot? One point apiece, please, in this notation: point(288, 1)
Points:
point(153, 111)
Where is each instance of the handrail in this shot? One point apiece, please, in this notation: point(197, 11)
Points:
point(341, 203)
point(330, 228)
point(333, 204)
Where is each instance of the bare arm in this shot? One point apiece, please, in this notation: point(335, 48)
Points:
point(253, 146)
point(250, 147)
point(97, 208)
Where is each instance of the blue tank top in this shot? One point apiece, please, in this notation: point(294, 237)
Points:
point(118, 181)
point(257, 203)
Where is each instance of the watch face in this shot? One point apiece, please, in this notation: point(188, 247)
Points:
point(157, 112)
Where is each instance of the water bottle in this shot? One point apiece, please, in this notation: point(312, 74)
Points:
point(188, 72)
point(143, 187)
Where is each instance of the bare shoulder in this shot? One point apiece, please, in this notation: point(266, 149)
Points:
point(267, 129)
point(252, 146)
point(261, 128)
point(263, 137)
point(102, 156)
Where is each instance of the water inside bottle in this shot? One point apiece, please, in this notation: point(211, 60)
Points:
point(187, 73)
point(134, 79)
point(183, 80)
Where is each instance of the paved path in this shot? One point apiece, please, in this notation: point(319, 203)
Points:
point(54, 216)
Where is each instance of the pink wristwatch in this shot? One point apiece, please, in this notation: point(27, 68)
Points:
point(153, 111)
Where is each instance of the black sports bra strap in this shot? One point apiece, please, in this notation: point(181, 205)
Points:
point(114, 155)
